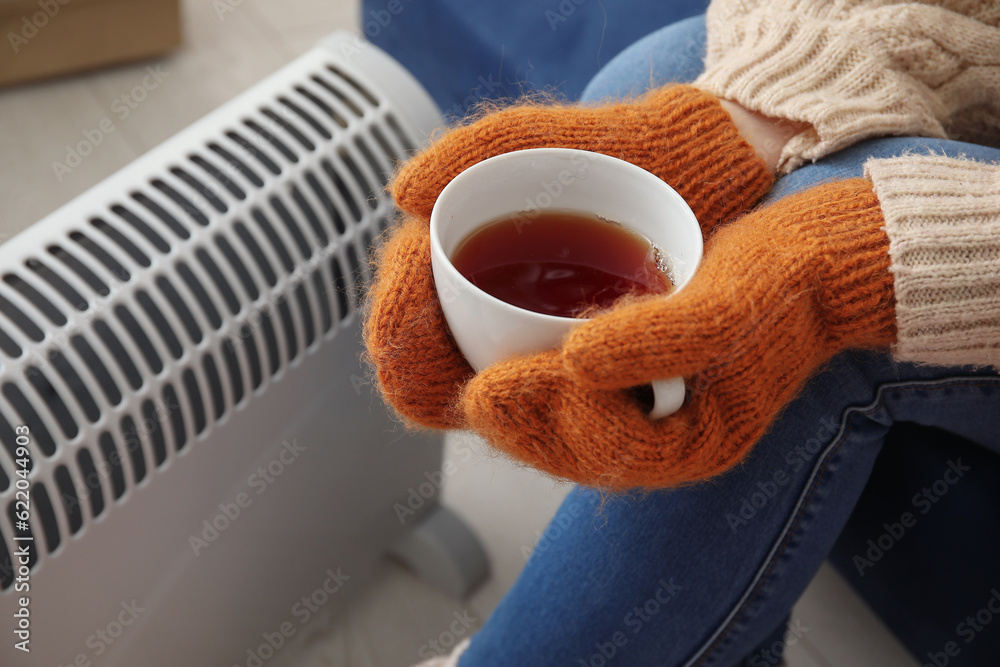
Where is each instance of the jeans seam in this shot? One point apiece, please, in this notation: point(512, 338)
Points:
point(805, 497)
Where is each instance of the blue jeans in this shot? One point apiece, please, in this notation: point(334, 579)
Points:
point(707, 574)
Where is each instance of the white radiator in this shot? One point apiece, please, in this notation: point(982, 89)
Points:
point(182, 404)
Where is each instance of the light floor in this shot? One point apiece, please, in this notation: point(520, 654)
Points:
point(505, 505)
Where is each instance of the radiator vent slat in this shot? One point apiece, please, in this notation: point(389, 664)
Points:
point(54, 402)
point(123, 242)
point(42, 506)
point(355, 84)
point(219, 176)
point(220, 280)
point(153, 425)
point(273, 140)
point(118, 353)
point(345, 192)
point(326, 317)
point(339, 227)
point(102, 256)
point(238, 266)
point(214, 386)
point(337, 93)
point(92, 481)
point(140, 226)
point(21, 321)
point(368, 191)
point(132, 443)
point(265, 226)
point(113, 459)
point(237, 164)
point(97, 369)
point(195, 400)
point(310, 216)
point(288, 127)
point(44, 306)
point(70, 500)
point(77, 267)
point(186, 205)
point(310, 120)
point(305, 249)
point(234, 370)
point(176, 415)
point(30, 418)
point(57, 282)
point(323, 106)
point(253, 358)
point(255, 251)
point(288, 325)
point(146, 348)
point(308, 325)
point(161, 214)
point(201, 188)
point(160, 322)
point(267, 162)
point(200, 295)
point(76, 385)
point(180, 309)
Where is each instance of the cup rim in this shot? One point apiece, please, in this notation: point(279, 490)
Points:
point(438, 249)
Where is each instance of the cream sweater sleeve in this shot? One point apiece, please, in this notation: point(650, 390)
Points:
point(942, 216)
point(854, 69)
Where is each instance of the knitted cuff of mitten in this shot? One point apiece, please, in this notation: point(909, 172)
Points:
point(857, 292)
point(942, 216)
point(680, 133)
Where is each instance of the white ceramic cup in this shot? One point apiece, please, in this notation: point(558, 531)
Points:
point(526, 183)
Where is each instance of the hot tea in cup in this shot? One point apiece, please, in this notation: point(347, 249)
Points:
point(561, 263)
point(508, 208)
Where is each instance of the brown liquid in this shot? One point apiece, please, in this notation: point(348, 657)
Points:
point(559, 263)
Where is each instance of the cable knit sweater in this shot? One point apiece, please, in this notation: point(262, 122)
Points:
point(857, 69)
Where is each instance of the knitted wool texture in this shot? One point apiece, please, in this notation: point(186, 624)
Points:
point(679, 133)
point(943, 220)
point(859, 69)
point(780, 292)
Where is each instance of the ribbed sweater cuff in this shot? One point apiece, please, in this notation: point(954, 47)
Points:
point(942, 217)
point(817, 69)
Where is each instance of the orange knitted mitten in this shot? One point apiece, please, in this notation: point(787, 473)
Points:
point(679, 133)
point(780, 292)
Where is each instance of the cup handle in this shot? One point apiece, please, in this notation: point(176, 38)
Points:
point(668, 397)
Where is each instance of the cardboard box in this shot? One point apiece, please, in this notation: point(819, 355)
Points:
point(43, 38)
